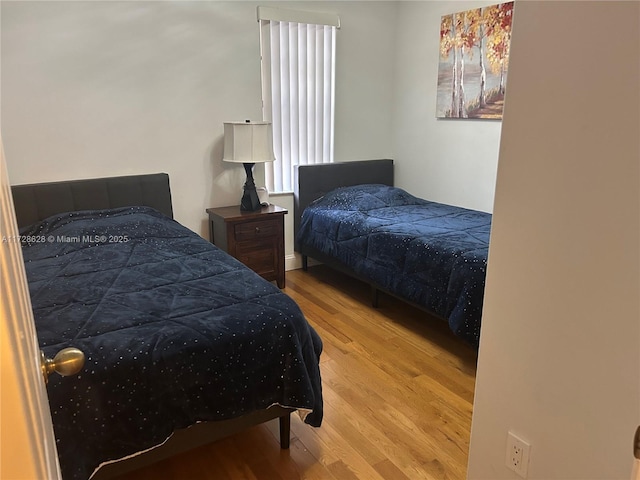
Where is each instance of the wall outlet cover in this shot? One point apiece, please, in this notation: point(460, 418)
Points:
point(517, 456)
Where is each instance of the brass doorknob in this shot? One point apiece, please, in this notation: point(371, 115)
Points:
point(67, 361)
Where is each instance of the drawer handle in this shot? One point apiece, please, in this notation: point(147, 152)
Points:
point(257, 230)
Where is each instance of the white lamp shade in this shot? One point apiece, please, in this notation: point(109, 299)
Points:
point(248, 142)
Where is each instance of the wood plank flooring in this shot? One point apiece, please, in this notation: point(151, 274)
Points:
point(398, 391)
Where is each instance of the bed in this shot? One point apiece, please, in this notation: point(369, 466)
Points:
point(183, 343)
point(350, 216)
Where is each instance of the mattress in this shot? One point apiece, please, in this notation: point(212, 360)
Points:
point(428, 253)
point(174, 331)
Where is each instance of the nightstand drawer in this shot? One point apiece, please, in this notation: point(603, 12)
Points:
point(262, 257)
point(253, 230)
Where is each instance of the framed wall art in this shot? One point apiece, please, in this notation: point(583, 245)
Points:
point(474, 58)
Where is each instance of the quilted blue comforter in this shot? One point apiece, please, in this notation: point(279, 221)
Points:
point(174, 330)
point(428, 253)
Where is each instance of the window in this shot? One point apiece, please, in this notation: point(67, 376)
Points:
point(298, 89)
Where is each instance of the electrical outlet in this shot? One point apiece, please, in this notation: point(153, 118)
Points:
point(517, 458)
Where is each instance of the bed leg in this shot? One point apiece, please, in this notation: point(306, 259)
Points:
point(305, 263)
point(285, 431)
point(374, 297)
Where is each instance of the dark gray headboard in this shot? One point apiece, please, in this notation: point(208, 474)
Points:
point(313, 181)
point(38, 201)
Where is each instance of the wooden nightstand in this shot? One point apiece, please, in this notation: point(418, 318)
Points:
point(254, 238)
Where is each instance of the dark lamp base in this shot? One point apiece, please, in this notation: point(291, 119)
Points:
point(250, 200)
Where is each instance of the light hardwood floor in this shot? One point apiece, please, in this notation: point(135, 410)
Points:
point(398, 392)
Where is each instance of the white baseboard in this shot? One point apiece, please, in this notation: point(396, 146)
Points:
point(294, 262)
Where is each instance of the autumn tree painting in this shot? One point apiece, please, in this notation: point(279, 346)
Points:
point(474, 57)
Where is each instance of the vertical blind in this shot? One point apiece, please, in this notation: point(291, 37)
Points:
point(298, 75)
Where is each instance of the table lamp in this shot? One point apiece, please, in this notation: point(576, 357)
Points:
point(248, 143)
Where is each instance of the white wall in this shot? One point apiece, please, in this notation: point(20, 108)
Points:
point(94, 89)
point(559, 360)
point(449, 161)
point(110, 88)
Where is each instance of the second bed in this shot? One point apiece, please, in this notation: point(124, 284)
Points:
point(351, 217)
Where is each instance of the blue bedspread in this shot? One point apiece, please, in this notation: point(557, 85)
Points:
point(431, 254)
point(175, 331)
